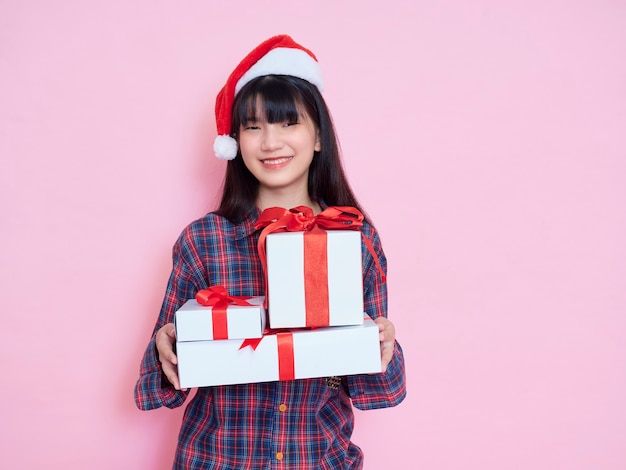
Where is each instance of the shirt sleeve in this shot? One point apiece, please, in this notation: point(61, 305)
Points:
point(152, 389)
point(371, 391)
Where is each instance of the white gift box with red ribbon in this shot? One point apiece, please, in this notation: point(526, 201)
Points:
point(312, 287)
point(196, 322)
point(283, 355)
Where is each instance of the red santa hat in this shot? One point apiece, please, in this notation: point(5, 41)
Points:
point(278, 55)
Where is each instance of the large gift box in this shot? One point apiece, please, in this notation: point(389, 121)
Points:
point(281, 355)
point(223, 320)
point(314, 278)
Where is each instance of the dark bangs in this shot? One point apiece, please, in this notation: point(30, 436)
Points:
point(280, 97)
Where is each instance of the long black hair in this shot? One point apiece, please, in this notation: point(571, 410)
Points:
point(281, 97)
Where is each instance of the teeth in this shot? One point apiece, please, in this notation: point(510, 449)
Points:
point(276, 161)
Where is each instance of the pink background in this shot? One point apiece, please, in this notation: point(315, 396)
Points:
point(486, 139)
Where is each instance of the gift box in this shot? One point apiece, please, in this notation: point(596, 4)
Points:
point(196, 322)
point(284, 355)
point(314, 278)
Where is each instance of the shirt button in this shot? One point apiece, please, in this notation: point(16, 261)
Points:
point(282, 407)
point(279, 455)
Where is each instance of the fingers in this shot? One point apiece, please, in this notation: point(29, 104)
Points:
point(387, 336)
point(386, 354)
point(171, 374)
point(386, 329)
point(165, 339)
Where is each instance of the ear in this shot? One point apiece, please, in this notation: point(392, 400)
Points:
point(318, 144)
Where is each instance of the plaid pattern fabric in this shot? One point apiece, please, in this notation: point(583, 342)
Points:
point(299, 424)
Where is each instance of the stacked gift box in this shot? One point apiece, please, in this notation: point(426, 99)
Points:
point(314, 324)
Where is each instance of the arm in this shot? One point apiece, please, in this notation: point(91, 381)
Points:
point(158, 370)
point(389, 387)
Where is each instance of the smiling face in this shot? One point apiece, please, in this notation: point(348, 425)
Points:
point(278, 148)
point(312, 155)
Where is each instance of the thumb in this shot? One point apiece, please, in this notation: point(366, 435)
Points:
point(170, 331)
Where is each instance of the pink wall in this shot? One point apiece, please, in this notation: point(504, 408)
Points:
point(485, 138)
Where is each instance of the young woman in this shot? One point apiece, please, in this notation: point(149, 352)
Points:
point(275, 128)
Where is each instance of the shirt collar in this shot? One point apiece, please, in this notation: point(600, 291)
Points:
point(246, 226)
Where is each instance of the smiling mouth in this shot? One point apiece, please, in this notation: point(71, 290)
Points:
point(276, 161)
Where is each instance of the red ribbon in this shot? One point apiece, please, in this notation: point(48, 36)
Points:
point(252, 342)
point(302, 219)
point(286, 360)
point(218, 298)
point(316, 278)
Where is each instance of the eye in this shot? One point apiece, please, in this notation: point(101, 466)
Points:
point(289, 123)
point(250, 127)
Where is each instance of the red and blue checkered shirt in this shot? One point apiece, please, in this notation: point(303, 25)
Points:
point(299, 424)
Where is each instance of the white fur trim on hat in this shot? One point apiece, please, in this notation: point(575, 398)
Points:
point(225, 147)
point(284, 61)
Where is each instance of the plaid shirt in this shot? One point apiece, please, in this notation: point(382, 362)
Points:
point(299, 424)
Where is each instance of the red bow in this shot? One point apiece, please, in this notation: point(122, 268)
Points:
point(218, 298)
point(302, 219)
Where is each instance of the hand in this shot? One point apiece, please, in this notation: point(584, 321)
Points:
point(387, 341)
point(165, 339)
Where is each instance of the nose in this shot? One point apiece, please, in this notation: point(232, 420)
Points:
point(271, 138)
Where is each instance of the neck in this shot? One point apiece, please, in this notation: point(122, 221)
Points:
point(287, 200)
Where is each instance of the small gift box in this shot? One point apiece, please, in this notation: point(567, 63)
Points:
point(213, 315)
point(284, 355)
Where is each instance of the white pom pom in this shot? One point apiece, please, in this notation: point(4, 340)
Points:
point(225, 147)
